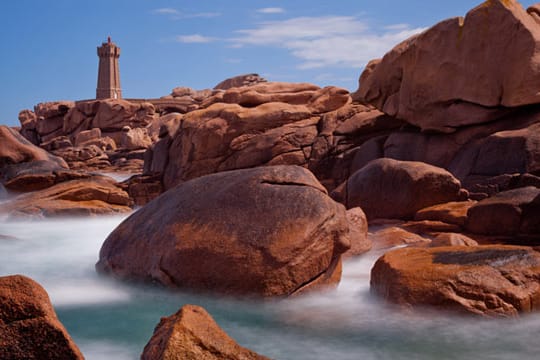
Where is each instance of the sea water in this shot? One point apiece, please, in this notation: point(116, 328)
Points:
point(113, 320)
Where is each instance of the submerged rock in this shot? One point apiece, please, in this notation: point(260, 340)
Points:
point(29, 327)
point(192, 333)
point(491, 280)
point(268, 231)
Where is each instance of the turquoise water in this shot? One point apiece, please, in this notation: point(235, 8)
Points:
point(112, 320)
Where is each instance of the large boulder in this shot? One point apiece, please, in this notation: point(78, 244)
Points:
point(493, 280)
point(509, 212)
point(267, 231)
point(192, 333)
point(92, 196)
point(114, 114)
point(24, 166)
point(15, 149)
point(387, 188)
point(460, 71)
point(229, 136)
point(29, 327)
point(507, 152)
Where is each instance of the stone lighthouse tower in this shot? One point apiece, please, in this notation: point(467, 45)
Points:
point(108, 84)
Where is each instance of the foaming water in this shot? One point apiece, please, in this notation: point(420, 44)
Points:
point(112, 320)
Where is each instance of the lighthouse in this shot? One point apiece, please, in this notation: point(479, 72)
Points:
point(108, 84)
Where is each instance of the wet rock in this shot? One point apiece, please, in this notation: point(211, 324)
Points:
point(495, 280)
point(29, 327)
point(96, 196)
point(452, 239)
point(385, 237)
point(192, 333)
point(451, 213)
point(267, 231)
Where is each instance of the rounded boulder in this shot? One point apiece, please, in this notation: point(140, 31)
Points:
point(268, 231)
point(392, 189)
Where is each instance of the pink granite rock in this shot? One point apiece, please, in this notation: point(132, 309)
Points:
point(460, 71)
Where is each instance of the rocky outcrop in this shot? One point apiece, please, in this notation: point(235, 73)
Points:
point(267, 231)
point(24, 166)
point(451, 213)
point(268, 124)
point(29, 327)
point(316, 100)
point(392, 235)
point(87, 134)
point(240, 80)
point(14, 149)
point(192, 333)
point(452, 239)
point(391, 189)
point(485, 280)
point(92, 196)
point(228, 136)
point(461, 71)
point(513, 212)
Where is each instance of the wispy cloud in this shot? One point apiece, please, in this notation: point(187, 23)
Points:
point(203, 15)
point(340, 41)
point(194, 39)
point(175, 14)
point(271, 10)
point(166, 11)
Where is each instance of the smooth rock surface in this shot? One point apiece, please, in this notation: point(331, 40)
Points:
point(460, 72)
point(509, 212)
point(392, 189)
point(85, 197)
point(494, 280)
point(267, 231)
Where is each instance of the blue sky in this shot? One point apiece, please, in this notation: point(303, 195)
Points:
point(49, 47)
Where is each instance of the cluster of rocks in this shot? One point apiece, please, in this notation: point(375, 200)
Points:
point(30, 329)
point(442, 167)
point(260, 188)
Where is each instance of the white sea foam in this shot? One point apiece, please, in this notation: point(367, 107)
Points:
point(110, 320)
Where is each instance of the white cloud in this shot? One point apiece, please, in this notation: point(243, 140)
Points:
point(271, 10)
point(194, 39)
point(166, 11)
point(341, 41)
point(175, 14)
